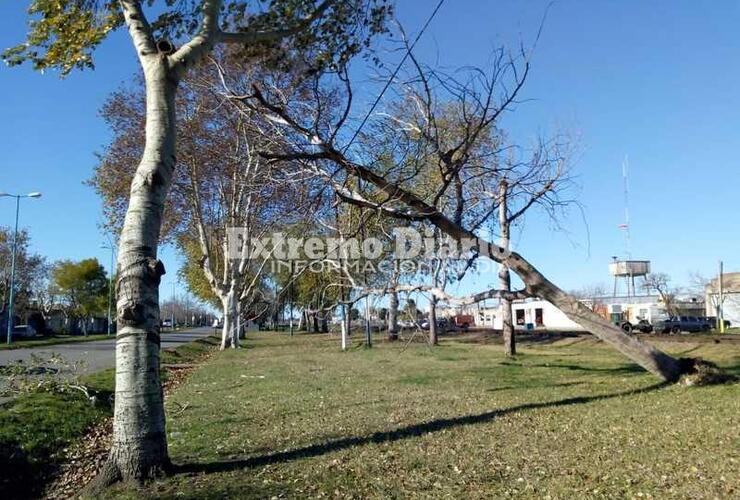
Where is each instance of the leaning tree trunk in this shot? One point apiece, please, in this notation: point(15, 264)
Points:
point(507, 325)
point(139, 448)
point(433, 321)
point(393, 317)
point(647, 356)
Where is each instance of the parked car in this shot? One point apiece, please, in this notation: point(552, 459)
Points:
point(166, 323)
point(713, 321)
point(463, 321)
point(442, 324)
point(644, 326)
point(678, 324)
point(23, 331)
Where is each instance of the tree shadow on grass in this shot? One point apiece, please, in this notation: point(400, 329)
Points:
point(533, 386)
point(406, 432)
point(623, 369)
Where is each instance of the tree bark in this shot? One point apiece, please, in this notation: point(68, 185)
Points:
point(348, 320)
point(344, 331)
point(228, 332)
point(239, 324)
point(507, 325)
point(139, 448)
point(393, 316)
point(432, 321)
point(301, 320)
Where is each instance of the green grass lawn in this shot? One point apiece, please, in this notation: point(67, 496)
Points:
point(569, 419)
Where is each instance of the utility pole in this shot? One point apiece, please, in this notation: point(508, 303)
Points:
point(110, 247)
point(172, 316)
point(187, 310)
point(11, 297)
point(721, 315)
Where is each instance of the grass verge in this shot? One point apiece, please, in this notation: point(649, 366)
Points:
point(64, 339)
point(571, 418)
point(35, 428)
point(50, 340)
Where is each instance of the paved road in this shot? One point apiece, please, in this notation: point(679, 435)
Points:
point(96, 355)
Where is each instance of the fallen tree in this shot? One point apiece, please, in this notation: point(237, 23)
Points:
point(391, 193)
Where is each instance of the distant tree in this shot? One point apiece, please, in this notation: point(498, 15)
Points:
point(537, 179)
point(220, 184)
point(31, 272)
point(590, 292)
point(83, 286)
point(661, 283)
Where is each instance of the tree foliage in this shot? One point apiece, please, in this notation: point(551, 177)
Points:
point(63, 34)
point(31, 271)
point(84, 286)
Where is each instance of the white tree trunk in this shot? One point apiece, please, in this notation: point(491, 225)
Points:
point(228, 336)
point(507, 325)
point(236, 334)
point(139, 448)
point(301, 319)
point(393, 316)
point(345, 332)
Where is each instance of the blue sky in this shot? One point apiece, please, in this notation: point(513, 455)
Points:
point(655, 80)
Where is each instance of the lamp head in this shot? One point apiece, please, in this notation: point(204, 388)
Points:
point(34, 195)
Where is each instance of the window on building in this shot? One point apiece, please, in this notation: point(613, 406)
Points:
point(538, 313)
point(520, 316)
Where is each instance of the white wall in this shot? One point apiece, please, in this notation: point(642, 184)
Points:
point(730, 309)
point(552, 317)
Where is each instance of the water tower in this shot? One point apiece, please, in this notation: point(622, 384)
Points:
point(628, 270)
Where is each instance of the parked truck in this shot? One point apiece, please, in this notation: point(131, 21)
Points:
point(631, 317)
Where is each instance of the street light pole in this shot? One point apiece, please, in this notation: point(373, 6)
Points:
point(11, 296)
point(172, 319)
point(110, 285)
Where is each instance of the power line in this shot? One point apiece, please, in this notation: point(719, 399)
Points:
point(395, 73)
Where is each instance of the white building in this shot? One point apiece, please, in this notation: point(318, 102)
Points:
point(538, 314)
point(731, 292)
point(527, 314)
